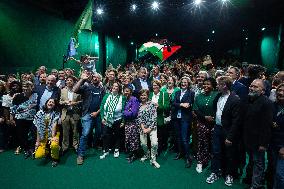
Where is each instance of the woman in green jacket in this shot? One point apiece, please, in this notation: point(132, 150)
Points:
point(162, 102)
point(112, 108)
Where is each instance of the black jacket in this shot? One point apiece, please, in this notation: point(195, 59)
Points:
point(258, 122)
point(230, 118)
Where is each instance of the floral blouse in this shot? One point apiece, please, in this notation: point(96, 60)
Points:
point(147, 116)
point(45, 122)
point(27, 109)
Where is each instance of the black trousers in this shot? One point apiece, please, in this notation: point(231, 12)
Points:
point(162, 132)
point(112, 135)
point(23, 127)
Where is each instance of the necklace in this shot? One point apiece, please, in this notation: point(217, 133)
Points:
point(207, 100)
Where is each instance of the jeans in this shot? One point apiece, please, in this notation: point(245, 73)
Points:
point(97, 131)
point(279, 175)
point(223, 155)
point(278, 168)
point(87, 123)
point(258, 168)
point(182, 135)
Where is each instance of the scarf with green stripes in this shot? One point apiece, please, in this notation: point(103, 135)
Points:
point(110, 107)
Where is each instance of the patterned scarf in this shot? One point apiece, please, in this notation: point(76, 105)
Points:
point(110, 106)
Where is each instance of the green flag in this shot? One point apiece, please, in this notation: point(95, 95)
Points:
point(84, 22)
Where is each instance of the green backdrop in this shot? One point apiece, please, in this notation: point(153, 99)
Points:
point(30, 37)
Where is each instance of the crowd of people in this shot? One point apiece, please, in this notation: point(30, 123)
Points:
point(218, 117)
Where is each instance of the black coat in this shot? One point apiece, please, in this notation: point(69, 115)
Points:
point(231, 116)
point(258, 122)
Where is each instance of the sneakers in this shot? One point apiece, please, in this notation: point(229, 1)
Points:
point(80, 160)
point(198, 168)
point(103, 156)
point(155, 164)
point(144, 158)
point(229, 180)
point(116, 153)
point(18, 150)
point(54, 163)
point(212, 178)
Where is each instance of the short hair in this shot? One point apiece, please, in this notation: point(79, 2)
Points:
point(72, 77)
point(212, 81)
point(98, 75)
point(157, 82)
point(187, 78)
point(142, 91)
point(204, 72)
point(225, 80)
point(237, 70)
point(143, 69)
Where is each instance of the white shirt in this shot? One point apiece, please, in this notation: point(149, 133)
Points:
point(155, 98)
point(144, 84)
point(70, 95)
point(183, 91)
point(220, 107)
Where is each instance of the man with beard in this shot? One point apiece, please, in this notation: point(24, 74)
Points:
point(92, 94)
point(257, 129)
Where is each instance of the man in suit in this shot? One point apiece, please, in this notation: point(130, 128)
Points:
point(242, 91)
point(258, 121)
point(237, 87)
point(226, 132)
point(142, 82)
point(182, 118)
point(70, 113)
point(49, 90)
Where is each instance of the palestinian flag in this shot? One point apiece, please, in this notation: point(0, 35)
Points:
point(161, 51)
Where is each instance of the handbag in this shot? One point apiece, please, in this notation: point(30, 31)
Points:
point(166, 119)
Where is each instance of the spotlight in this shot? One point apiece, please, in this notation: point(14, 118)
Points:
point(262, 29)
point(156, 35)
point(208, 40)
point(197, 2)
point(100, 11)
point(132, 43)
point(118, 37)
point(247, 38)
point(155, 5)
point(133, 7)
point(213, 31)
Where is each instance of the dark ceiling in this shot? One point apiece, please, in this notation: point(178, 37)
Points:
point(175, 20)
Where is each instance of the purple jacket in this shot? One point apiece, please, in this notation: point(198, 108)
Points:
point(131, 109)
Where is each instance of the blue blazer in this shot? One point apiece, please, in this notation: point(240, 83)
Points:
point(40, 90)
point(186, 113)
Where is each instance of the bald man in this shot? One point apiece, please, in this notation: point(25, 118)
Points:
point(257, 129)
point(49, 90)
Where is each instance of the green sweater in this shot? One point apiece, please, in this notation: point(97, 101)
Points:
point(163, 109)
point(164, 89)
